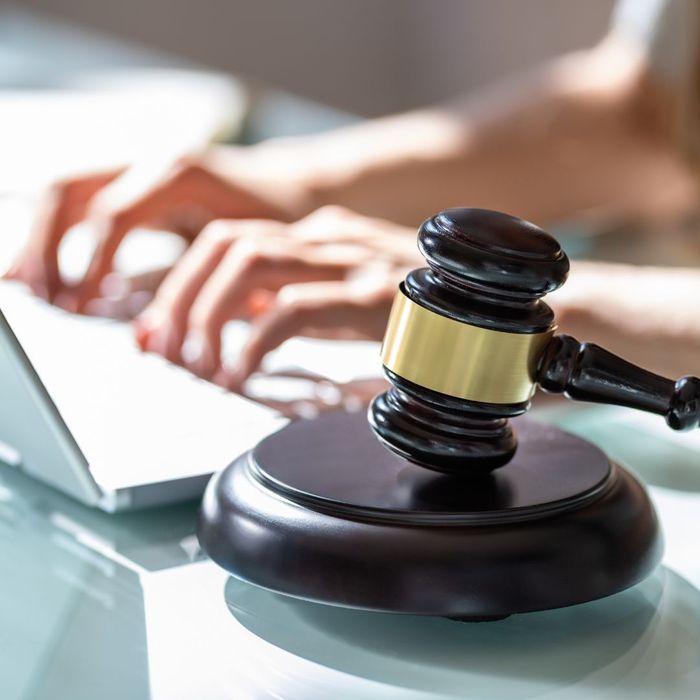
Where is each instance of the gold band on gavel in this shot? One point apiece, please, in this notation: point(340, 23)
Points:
point(458, 359)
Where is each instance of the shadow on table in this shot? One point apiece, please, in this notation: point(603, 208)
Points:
point(648, 636)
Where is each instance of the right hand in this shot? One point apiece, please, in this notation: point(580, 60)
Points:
point(332, 274)
point(183, 196)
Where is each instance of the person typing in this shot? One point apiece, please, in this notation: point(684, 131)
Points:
point(310, 235)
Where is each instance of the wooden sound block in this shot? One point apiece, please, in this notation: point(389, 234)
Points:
point(322, 511)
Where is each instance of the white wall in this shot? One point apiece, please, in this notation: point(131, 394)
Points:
point(366, 56)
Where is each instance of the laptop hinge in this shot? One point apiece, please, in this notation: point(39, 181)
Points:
point(115, 501)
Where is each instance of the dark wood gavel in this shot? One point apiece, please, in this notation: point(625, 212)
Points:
point(470, 339)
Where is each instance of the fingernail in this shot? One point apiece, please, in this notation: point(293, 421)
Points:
point(221, 378)
point(192, 348)
point(197, 354)
point(171, 343)
point(157, 341)
point(68, 302)
point(232, 376)
point(141, 333)
point(114, 286)
point(207, 364)
point(151, 336)
point(136, 302)
point(234, 380)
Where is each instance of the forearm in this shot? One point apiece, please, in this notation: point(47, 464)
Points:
point(645, 314)
point(582, 136)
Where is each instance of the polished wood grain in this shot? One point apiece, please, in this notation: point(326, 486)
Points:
point(491, 270)
point(485, 269)
point(322, 511)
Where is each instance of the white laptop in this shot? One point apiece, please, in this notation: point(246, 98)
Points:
point(83, 410)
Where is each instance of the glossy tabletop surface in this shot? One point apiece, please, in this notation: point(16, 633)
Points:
point(95, 605)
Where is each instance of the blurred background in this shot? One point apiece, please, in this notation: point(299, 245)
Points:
point(242, 71)
point(378, 56)
point(246, 70)
point(89, 85)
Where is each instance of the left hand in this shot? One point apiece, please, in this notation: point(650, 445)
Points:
point(333, 274)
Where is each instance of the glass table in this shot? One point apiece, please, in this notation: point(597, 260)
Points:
point(126, 606)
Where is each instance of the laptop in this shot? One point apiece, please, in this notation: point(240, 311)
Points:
point(84, 411)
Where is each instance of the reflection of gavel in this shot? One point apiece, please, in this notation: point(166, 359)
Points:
point(469, 339)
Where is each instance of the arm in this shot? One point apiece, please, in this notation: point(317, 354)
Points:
point(647, 315)
point(587, 135)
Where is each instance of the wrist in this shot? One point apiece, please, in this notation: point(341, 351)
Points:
point(382, 168)
point(303, 174)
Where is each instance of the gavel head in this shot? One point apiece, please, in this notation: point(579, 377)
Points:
point(464, 338)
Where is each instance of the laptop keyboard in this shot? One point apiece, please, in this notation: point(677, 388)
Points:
point(137, 418)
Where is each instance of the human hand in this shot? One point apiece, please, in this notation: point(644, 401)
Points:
point(180, 196)
point(332, 274)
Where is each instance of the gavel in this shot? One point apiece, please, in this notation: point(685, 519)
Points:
point(468, 342)
point(470, 339)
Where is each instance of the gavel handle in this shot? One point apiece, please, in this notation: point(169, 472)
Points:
point(587, 372)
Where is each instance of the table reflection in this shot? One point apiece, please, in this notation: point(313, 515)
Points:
point(124, 606)
point(645, 639)
point(72, 618)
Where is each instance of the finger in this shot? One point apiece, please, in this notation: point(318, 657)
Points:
point(249, 266)
point(123, 308)
point(141, 197)
point(162, 325)
point(116, 285)
point(125, 296)
point(63, 206)
point(151, 195)
point(328, 308)
point(161, 328)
